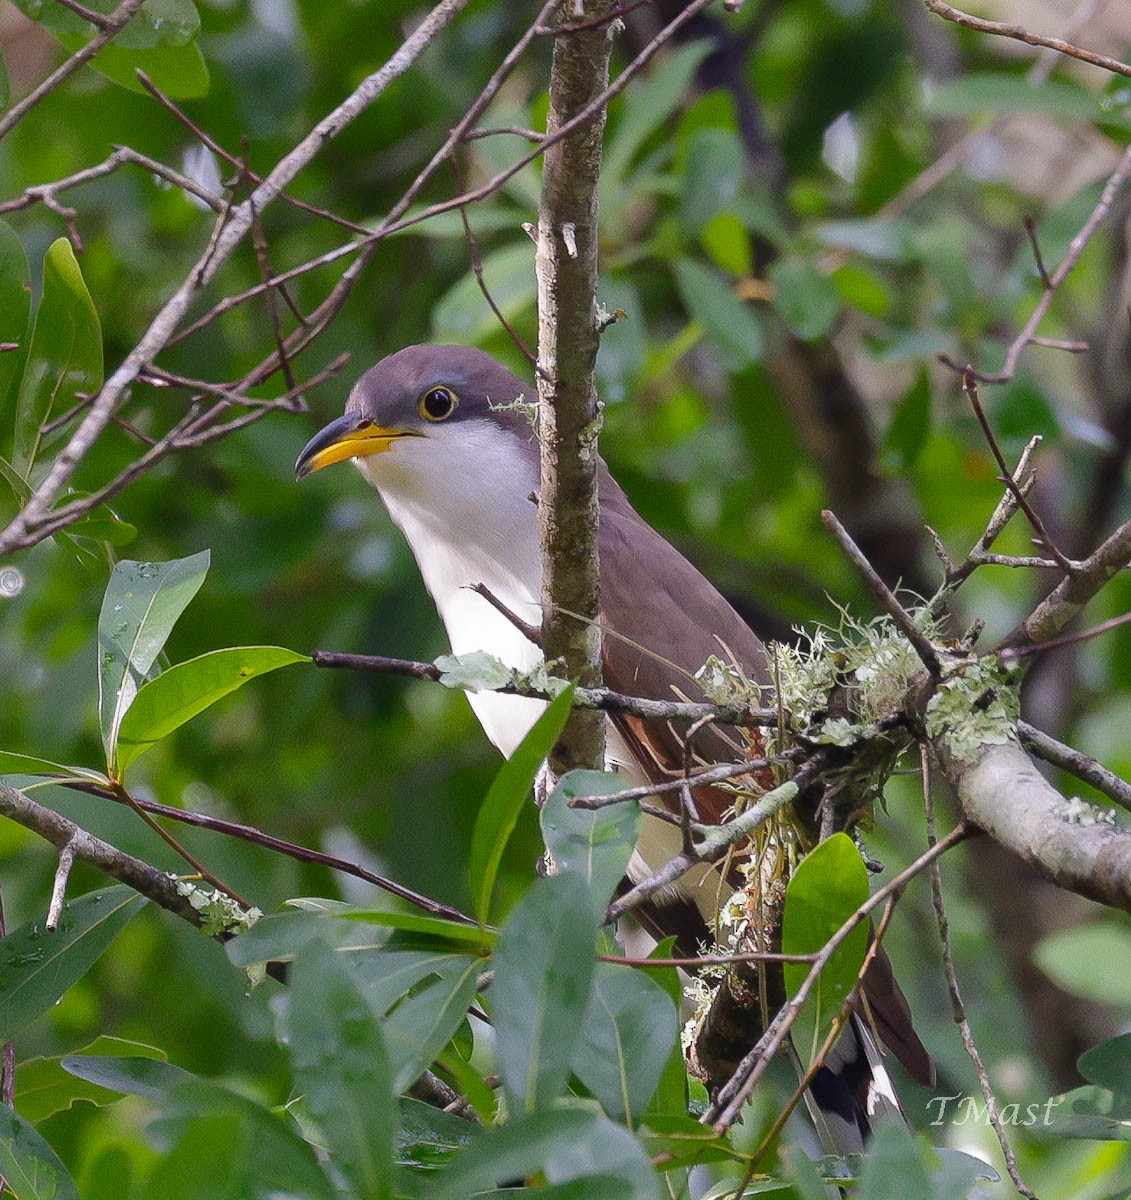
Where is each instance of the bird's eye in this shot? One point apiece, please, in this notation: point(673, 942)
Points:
point(438, 403)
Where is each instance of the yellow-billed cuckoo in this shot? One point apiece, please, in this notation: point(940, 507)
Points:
point(445, 436)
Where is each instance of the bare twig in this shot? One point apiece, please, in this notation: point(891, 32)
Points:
point(149, 881)
point(229, 235)
point(884, 595)
point(532, 633)
point(1076, 247)
point(957, 1007)
point(970, 387)
point(591, 698)
point(696, 779)
point(1070, 639)
point(1017, 33)
point(1076, 763)
point(111, 25)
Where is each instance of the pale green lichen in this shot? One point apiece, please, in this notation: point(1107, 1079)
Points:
point(1077, 811)
point(218, 912)
point(976, 704)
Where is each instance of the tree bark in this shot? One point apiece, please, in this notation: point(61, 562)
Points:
point(568, 338)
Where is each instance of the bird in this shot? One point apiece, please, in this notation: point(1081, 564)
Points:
point(446, 436)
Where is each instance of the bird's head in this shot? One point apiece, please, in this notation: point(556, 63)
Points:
point(444, 393)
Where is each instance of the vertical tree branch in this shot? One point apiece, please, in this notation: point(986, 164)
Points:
point(568, 337)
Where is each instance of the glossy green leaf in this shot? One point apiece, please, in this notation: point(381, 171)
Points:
point(595, 844)
point(131, 1075)
point(411, 922)
point(342, 1069)
point(44, 1086)
point(543, 968)
point(683, 1141)
point(187, 689)
point(806, 299)
point(564, 1146)
point(628, 1033)
point(37, 967)
point(27, 764)
point(142, 603)
point(31, 1170)
point(427, 1136)
point(278, 937)
point(64, 356)
point(509, 790)
point(260, 1152)
point(157, 22)
point(829, 885)
point(179, 71)
point(103, 525)
point(727, 320)
point(15, 310)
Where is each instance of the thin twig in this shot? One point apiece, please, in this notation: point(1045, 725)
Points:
point(595, 698)
point(883, 594)
point(112, 25)
point(1075, 762)
point(699, 778)
point(1069, 639)
point(248, 833)
point(59, 886)
point(957, 1007)
point(970, 387)
point(1017, 33)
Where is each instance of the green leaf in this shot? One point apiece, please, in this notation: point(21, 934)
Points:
point(179, 71)
point(1109, 1065)
point(730, 323)
point(157, 23)
point(102, 525)
point(131, 1075)
point(628, 1033)
point(15, 309)
point(427, 1136)
point(341, 1067)
point(993, 92)
point(807, 300)
point(31, 1170)
point(37, 967)
point(436, 927)
point(564, 1145)
point(142, 603)
point(44, 1086)
point(64, 357)
point(683, 1141)
point(260, 1154)
point(829, 885)
point(715, 170)
point(505, 798)
point(419, 1028)
point(543, 968)
point(187, 689)
point(595, 844)
point(27, 764)
point(1093, 961)
point(910, 426)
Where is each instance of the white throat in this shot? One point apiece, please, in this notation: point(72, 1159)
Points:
point(463, 504)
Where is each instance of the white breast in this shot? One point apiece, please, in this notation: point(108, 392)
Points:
point(481, 527)
point(466, 528)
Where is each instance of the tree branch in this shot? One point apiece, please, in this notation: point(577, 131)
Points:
point(568, 340)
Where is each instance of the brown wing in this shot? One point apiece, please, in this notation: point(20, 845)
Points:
point(669, 621)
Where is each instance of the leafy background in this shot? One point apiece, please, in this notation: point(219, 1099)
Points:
point(755, 275)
